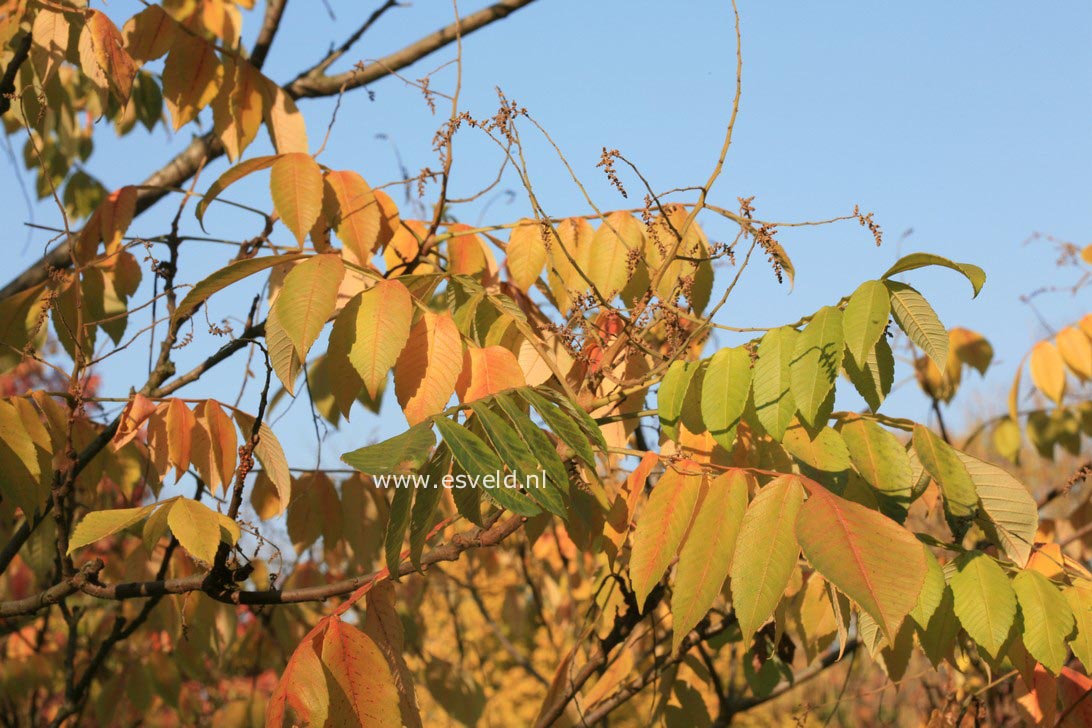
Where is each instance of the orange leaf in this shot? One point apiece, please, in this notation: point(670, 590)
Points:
point(368, 694)
point(1076, 349)
point(180, 427)
point(284, 121)
point(389, 220)
point(428, 367)
point(214, 444)
point(468, 256)
point(115, 215)
point(191, 78)
point(110, 55)
point(139, 409)
point(238, 107)
point(296, 186)
point(354, 212)
point(149, 34)
point(662, 525)
point(488, 371)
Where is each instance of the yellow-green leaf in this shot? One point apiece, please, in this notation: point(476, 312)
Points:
point(880, 459)
point(766, 552)
point(100, 524)
point(706, 556)
point(972, 273)
point(917, 318)
point(197, 528)
point(724, 391)
point(224, 277)
point(1009, 515)
point(308, 298)
point(942, 461)
point(816, 360)
point(379, 331)
point(984, 600)
point(773, 398)
point(825, 451)
point(1047, 618)
point(865, 318)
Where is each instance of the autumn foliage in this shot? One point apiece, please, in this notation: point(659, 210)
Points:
point(701, 525)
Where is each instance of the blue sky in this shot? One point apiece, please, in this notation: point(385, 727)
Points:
point(967, 122)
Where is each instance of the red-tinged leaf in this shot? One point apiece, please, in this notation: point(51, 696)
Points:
point(149, 34)
point(428, 367)
point(236, 173)
point(857, 549)
point(139, 409)
point(308, 299)
point(1076, 701)
point(376, 330)
point(214, 445)
point(296, 186)
point(354, 213)
point(191, 78)
point(662, 524)
point(302, 687)
point(486, 372)
point(362, 689)
point(384, 626)
point(110, 54)
point(706, 556)
point(180, 426)
point(766, 552)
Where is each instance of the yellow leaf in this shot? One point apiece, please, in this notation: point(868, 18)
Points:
point(1048, 370)
point(487, 371)
point(468, 256)
point(610, 264)
point(269, 453)
point(284, 122)
point(197, 528)
point(100, 524)
point(308, 298)
point(567, 254)
point(296, 185)
point(380, 323)
point(404, 248)
point(50, 32)
point(526, 254)
point(108, 52)
point(1076, 349)
point(238, 107)
point(428, 367)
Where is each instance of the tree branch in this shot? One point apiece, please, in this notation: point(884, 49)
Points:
point(54, 594)
point(7, 81)
point(271, 23)
point(206, 148)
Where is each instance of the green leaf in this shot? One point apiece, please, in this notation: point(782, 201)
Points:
point(583, 420)
point(562, 425)
point(984, 600)
point(939, 638)
point(854, 548)
point(724, 391)
point(662, 525)
point(1047, 618)
point(816, 361)
point(761, 571)
point(233, 175)
point(826, 451)
point(917, 318)
point(942, 461)
point(1008, 515)
point(483, 466)
point(865, 318)
point(427, 502)
point(1079, 598)
point(100, 524)
point(672, 393)
point(517, 455)
point(397, 522)
point(401, 454)
point(197, 528)
point(972, 273)
point(379, 328)
point(932, 591)
point(707, 553)
point(881, 460)
point(773, 398)
point(537, 440)
point(873, 380)
point(308, 299)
